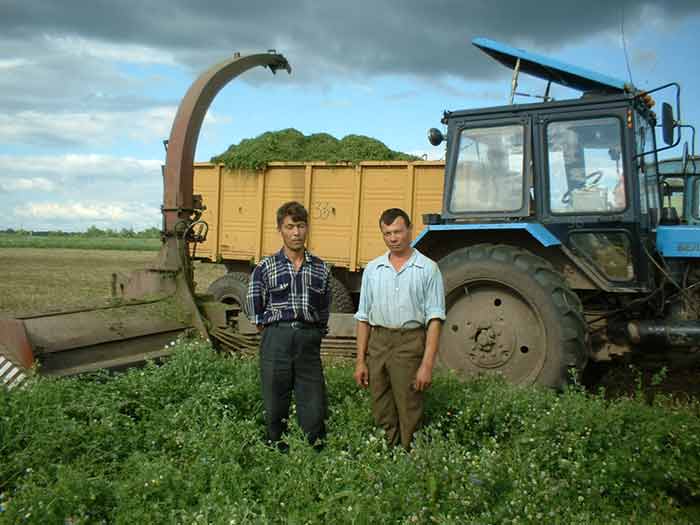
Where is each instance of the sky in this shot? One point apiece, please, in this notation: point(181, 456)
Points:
point(89, 89)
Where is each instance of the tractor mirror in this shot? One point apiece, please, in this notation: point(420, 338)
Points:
point(667, 123)
point(435, 136)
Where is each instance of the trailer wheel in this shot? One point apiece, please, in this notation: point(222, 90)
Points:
point(341, 302)
point(510, 312)
point(232, 289)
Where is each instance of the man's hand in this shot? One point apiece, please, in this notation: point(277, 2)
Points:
point(424, 377)
point(361, 375)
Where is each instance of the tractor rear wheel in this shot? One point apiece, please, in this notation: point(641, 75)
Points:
point(511, 313)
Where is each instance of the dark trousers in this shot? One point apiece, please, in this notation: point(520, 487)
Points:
point(393, 359)
point(290, 360)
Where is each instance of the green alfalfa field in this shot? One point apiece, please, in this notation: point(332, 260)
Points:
point(182, 442)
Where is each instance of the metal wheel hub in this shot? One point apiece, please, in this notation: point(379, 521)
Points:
point(489, 343)
point(492, 328)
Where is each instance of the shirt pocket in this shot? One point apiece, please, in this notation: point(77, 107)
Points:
point(316, 292)
point(279, 294)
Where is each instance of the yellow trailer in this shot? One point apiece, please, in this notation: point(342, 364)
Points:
point(344, 203)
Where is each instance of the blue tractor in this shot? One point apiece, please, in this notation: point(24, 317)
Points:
point(555, 241)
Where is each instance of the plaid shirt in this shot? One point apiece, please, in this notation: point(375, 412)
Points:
point(278, 293)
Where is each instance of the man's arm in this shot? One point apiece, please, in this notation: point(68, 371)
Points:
point(256, 297)
point(325, 309)
point(434, 310)
point(361, 374)
point(362, 334)
point(424, 376)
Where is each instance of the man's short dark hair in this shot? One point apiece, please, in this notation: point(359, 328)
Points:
point(293, 209)
point(390, 215)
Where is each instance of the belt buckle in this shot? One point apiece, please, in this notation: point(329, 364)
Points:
point(297, 325)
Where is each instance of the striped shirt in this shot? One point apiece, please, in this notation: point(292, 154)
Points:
point(277, 292)
point(409, 298)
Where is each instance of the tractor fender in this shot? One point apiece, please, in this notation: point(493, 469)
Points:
point(537, 231)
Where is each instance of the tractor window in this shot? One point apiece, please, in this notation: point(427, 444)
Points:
point(610, 252)
point(673, 193)
point(696, 198)
point(489, 171)
point(585, 166)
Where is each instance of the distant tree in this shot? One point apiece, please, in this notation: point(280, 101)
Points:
point(148, 233)
point(94, 231)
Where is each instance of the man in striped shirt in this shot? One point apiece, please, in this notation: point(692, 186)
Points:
point(288, 300)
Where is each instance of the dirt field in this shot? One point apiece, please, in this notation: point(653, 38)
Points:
point(43, 280)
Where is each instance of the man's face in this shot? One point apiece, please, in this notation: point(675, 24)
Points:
point(397, 236)
point(293, 233)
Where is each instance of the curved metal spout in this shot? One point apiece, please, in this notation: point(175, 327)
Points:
point(178, 183)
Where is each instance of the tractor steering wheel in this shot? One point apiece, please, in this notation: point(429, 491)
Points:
point(589, 180)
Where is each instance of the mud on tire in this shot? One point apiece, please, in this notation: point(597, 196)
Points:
point(510, 312)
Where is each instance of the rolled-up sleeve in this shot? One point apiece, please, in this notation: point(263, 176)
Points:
point(362, 313)
point(434, 295)
point(257, 295)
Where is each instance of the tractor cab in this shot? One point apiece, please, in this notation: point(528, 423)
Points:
point(554, 242)
point(582, 171)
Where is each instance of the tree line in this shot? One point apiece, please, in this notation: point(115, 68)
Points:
point(92, 232)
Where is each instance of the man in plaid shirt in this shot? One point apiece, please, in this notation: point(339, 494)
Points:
point(288, 300)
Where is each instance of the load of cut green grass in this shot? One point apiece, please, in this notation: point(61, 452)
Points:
point(291, 145)
point(182, 443)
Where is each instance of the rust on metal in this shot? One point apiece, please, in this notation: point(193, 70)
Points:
point(178, 200)
point(14, 342)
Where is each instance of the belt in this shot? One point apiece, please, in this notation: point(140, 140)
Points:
point(297, 325)
point(398, 330)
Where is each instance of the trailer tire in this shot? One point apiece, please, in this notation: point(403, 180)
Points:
point(231, 288)
point(510, 313)
point(341, 302)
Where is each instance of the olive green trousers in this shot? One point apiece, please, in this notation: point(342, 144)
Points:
point(393, 358)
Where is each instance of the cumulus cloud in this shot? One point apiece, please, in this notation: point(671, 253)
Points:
point(129, 53)
point(73, 192)
point(365, 37)
point(63, 168)
point(20, 184)
point(82, 210)
point(94, 76)
point(83, 214)
point(89, 128)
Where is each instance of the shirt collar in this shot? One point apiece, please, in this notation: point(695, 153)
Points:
point(413, 260)
point(308, 257)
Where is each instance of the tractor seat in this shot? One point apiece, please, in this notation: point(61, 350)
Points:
point(669, 216)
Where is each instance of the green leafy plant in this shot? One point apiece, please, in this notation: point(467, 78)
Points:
point(293, 146)
point(183, 443)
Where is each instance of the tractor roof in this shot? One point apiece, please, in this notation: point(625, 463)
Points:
point(551, 70)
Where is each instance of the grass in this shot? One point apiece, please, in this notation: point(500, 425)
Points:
point(37, 280)
point(77, 242)
point(182, 443)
